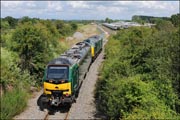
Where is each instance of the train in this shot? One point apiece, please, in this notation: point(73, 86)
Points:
point(64, 75)
point(111, 26)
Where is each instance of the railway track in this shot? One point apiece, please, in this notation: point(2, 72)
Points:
point(57, 116)
point(108, 30)
point(46, 116)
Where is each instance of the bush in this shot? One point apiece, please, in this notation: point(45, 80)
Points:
point(15, 85)
point(138, 76)
point(10, 74)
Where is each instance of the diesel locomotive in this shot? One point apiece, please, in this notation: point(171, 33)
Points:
point(64, 75)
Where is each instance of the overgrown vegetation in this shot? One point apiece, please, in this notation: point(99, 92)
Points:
point(27, 46)
point(14, 83)
point(13, 102)
point(140, 76)
point(151, 19)
point(147, 19)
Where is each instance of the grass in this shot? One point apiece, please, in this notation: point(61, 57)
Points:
point(13, 102)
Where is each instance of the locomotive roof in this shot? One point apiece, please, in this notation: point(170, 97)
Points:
point(73, 55)
point(96, 37)
point(60, 60)
point(93, 39)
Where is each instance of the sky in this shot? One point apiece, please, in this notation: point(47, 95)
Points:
point(88, 10)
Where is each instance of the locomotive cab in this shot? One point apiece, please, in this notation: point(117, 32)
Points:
point(95, 42)
point(57, 85)
point(57, 73)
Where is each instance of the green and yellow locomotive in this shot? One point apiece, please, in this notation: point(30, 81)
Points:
point(96, 43)
point(64, 75)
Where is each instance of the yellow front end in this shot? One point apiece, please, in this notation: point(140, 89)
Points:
point(92, 51)
point(66, 87)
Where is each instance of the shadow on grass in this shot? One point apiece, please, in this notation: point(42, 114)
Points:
point(98, 114)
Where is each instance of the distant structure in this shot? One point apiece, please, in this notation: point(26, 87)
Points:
point(149, 24)
point(124, 25)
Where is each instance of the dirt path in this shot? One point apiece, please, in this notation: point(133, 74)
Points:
point(84, 108)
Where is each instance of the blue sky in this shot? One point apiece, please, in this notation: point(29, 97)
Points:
point(68, 10)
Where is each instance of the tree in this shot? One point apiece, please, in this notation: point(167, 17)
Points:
point(25, 19)
point(4, 24)
point(12, 21)
point(74, 26)
point(51, 27)
point(32, 43)
point(65, 29)
point(59, 26)
point(175, 19)
point(164, 25)
point(108, 20)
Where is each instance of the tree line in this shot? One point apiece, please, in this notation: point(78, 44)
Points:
point(151, 19)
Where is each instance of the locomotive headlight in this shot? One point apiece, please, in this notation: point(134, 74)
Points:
point(67, 94)
point(62, 81)
point(50, 80)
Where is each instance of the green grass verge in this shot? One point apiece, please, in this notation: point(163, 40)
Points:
point(12, 103)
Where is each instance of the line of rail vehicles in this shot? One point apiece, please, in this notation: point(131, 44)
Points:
point(64, 75)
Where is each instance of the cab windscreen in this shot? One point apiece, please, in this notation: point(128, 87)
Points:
point(57, 72)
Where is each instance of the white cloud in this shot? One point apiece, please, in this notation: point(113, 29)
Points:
point(31, 4)
point(78, 4)
point(161, 5)
point(112, 9)
point(54, 6)
point(10, 4)
point(123, 3)
point(153, 4)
